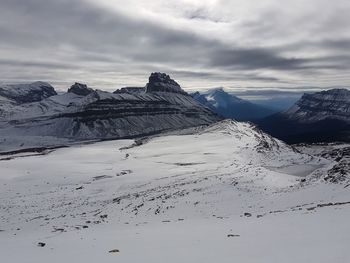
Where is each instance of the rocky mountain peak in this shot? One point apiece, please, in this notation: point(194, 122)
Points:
point(161, 82)
point(80, 89)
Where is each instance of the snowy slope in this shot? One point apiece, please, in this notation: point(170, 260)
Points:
point(227, 192)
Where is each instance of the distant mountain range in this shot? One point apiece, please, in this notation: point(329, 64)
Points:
point(33, 115)
point(319, 117)
point(230, 106)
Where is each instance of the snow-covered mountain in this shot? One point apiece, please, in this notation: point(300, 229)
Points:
point(86, 114)
point(11, 96)
point(227, 192)
point(322, 116)
point(25, 93)
point(230, 106)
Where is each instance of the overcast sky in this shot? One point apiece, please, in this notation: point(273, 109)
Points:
point(200, 43)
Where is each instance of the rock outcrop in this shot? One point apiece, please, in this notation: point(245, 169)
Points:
point(161, 82)
point(131, 90)
point(80, 89)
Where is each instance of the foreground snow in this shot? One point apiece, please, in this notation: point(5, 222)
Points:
point(225, 194)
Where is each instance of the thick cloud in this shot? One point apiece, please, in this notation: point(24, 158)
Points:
point(201, 43)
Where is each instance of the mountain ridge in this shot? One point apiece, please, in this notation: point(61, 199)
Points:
point(230, 106)
point(317, 117)
point(86, 114)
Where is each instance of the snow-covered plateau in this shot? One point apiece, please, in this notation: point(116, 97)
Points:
point(223, 193)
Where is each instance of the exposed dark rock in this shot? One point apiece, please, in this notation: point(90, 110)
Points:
point(232, 235)
point(130, 90)
point(161, 82)
point(41, 244)
point(80, 89)
point(100, 177)
point(58, 229)
point(339, 173)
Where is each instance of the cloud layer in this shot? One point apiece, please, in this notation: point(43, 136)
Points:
point(231, 43)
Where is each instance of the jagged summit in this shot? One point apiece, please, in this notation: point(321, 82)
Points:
point(80, 89)
point(161, 82)
point(26, 93)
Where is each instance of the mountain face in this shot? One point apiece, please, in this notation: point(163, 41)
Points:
point(161, 82)
point(230, 106)
point(330, 104)
point(84, 114)
point(322, 116)
point(25, 93)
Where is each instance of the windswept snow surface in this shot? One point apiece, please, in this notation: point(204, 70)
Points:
point(227, 193)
